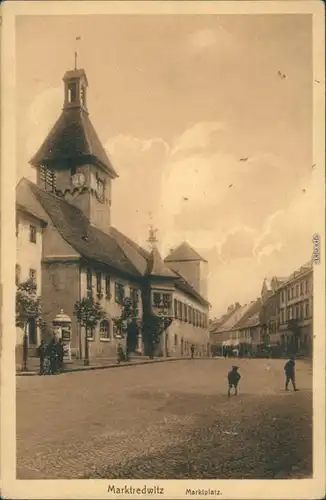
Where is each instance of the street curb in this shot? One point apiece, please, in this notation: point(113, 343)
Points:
point(103, 367)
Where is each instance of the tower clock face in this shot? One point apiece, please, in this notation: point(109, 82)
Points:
point(78, 180)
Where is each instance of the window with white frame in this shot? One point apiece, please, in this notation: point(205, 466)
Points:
point(32, 275)
point(91, 333)
point(32, 234)
point(89, 287)
point(107, 286)
point(307, 309)
point(180, 309)
point(119, 292)
point(105, 329)
point(175, 306)
point(98, 282)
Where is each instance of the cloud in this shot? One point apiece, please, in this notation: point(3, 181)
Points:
point(250, 219)
point(196, 137)
point(237, 244)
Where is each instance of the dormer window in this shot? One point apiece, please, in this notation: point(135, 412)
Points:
point(72, 92)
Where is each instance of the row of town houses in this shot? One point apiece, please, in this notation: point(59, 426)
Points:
point(279, 322)
point(67, 245)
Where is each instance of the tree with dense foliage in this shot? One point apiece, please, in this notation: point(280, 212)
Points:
point(88, 313)
point(128, 323)
point(28, 307)
point(153, 326)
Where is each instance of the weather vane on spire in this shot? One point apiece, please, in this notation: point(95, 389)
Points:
point(77, 39)
point(152, 232)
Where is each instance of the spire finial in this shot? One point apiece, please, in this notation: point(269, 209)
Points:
point(78, 38)
point(152, 238)
point(152, 231)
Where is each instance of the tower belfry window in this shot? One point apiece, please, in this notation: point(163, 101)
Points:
point(83, 95)
point(72, 92)
point(47, 178)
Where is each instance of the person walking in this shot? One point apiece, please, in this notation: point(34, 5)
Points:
point(289, 369)
point(41, 354)
point(192, 350)
point(233, 380)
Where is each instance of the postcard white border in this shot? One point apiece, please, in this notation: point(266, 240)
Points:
point(97, 489)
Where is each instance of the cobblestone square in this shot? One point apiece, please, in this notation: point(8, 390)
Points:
point(166, 420)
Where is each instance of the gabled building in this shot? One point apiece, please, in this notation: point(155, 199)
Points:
point(66, 242)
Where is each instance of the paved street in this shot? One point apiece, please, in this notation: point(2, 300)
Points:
point(165, 420)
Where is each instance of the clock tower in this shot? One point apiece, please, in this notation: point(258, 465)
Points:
point(72, 163)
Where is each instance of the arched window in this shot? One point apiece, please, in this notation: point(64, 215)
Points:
point(18, 273)
point(105, 329)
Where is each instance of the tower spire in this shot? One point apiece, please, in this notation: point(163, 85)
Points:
point(76, 60)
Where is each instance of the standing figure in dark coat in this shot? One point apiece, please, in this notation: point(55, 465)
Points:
point(54, 356)
point(192, 350)
point(41, 354)
point(61, 353)
point(120, 354)
point(289, 369)
point(233, 380)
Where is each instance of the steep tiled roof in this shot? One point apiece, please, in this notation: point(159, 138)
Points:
point(252, 311)
point(231, 321)
point(90, 242)
point(73, 137)
point(220, 321)
point(115, 249)
point(183, 252)
point(156, 266)
point(136, 254)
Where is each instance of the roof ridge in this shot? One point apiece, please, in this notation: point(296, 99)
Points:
point(133, 243)
point(184, 246)
point(122, 250)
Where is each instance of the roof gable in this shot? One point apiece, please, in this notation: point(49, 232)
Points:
point(26, 200)
point(183, 252)
point(156, 266)
point(252, 311)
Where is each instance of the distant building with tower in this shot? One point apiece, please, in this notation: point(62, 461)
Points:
point(67, 244)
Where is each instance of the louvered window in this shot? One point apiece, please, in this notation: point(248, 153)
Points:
point(47, 179)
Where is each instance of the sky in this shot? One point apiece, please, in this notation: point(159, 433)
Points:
point(179, 102)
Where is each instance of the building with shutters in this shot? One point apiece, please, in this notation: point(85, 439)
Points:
point(67, 244)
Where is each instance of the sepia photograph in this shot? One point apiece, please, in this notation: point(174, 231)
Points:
point(167, 225)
